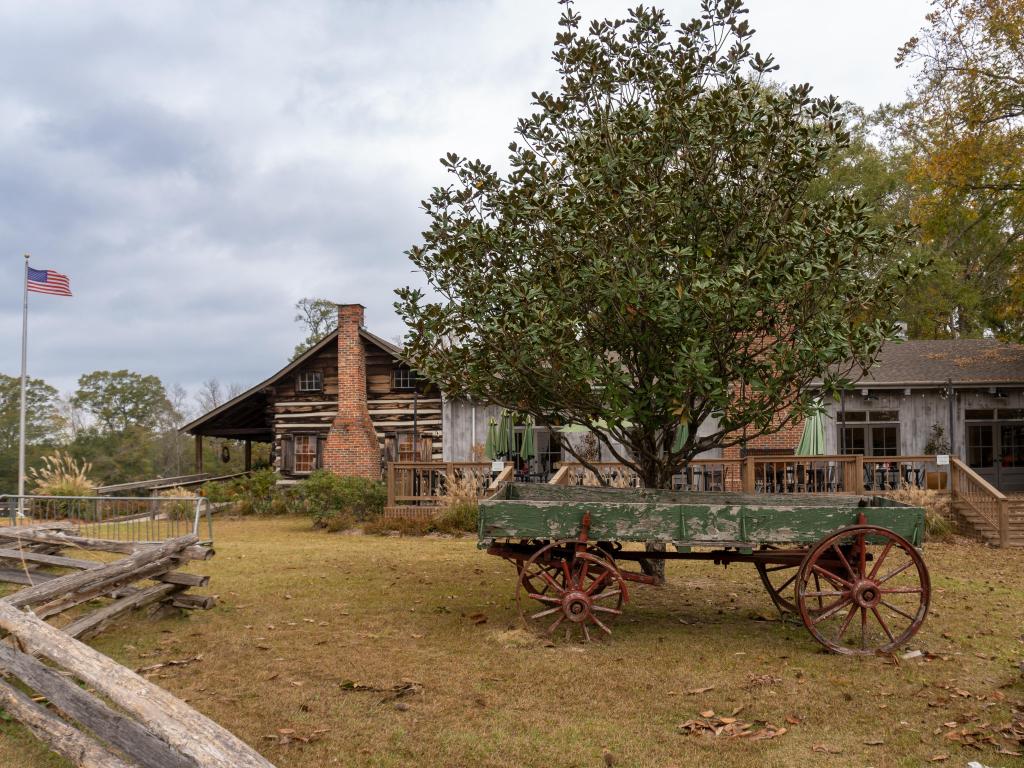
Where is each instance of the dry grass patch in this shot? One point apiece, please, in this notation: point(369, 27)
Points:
point(370, 651)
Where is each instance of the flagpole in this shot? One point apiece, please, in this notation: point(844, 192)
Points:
point(24, 383)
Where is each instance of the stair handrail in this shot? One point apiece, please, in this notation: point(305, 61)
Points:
point(984, 498)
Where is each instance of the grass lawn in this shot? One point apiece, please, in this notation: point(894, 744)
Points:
point(314, 630)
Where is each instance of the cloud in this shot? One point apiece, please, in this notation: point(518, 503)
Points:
point(197, 167)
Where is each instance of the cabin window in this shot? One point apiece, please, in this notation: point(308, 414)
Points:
point(310, 381)
point(404, 378)
point(305, 453)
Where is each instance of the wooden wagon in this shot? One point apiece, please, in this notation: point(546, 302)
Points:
point(849, 567)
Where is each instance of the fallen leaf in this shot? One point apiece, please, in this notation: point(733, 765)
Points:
point(697, 691)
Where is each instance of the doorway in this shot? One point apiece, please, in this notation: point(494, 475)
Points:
point(995, 447)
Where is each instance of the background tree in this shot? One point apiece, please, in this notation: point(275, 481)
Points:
point(656, 257)
point(318, 317)
point(962, 134)
point(131, 420)
point(121, 399)
point(42, 425)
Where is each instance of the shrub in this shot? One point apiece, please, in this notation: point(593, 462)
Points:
point(61, 475)
point(323, 496)
point(183, 509)
point(938, 510)
point(218, 493)
point(257, 488)
point(460, 517)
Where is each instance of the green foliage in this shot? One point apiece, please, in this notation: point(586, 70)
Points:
point(937, 441)
point(254, 494)
point(324, 496)
point(319, 317)
point(122, 399)
point(43, 423)
point(661, 253)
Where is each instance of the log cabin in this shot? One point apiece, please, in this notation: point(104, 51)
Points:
point(348, 404)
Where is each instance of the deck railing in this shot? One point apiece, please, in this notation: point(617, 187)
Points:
point(988, 502)
point(775, 474)
point(431, 483)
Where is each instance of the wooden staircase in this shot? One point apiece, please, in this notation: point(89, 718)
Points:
point(984, 511)
point(979, 526)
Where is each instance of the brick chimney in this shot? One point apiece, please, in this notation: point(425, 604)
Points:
point(352, 448)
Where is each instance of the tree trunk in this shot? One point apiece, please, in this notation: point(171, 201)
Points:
point(655, 474)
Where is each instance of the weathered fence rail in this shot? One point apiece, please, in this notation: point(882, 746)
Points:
point(98, 713)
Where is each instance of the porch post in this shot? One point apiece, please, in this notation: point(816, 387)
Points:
point(248, 455)
point(199, 454)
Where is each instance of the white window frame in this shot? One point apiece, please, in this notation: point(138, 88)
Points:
point(302, 385)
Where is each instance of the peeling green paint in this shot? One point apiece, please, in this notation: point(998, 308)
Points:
point(685, 519)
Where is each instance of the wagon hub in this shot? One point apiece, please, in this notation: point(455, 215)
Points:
point(576, 606)
point(866, 593)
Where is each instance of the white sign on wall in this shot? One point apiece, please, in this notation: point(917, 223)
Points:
point(942, 459)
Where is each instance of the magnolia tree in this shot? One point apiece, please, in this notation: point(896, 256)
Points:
point(654, 261)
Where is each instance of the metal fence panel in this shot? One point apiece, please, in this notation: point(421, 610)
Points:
point(119, 518)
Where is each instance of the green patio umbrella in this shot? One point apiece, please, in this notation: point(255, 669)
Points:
point(526, 450)
point(491, 443)
point(812, 441)
point(682, 435)
point(506, 442)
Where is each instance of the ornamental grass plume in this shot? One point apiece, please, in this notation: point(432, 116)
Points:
point(62, 475)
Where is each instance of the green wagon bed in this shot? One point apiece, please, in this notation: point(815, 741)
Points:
point(537, 511)
point(849, 566)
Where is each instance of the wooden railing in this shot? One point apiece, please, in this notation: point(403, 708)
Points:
point(431, 483)
point(776, 474)
point(988, 502)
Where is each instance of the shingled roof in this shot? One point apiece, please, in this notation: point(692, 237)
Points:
point(933, 362)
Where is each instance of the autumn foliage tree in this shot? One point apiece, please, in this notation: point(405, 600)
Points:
point(962, 130)
point(657, 258)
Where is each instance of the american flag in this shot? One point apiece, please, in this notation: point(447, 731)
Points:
point(48, 281)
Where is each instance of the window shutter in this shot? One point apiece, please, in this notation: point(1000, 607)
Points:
point(390, 448)
point(321, 441)
point(288, 454)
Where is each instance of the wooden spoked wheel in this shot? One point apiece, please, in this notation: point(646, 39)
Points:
point(778, 580)
point(566, 589)
point(871, 593)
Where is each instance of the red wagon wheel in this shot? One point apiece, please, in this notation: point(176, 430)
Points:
point(779, 581)
point(582, 591)
point(872, 586)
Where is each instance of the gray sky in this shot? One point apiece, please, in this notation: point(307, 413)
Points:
point(197, 167)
